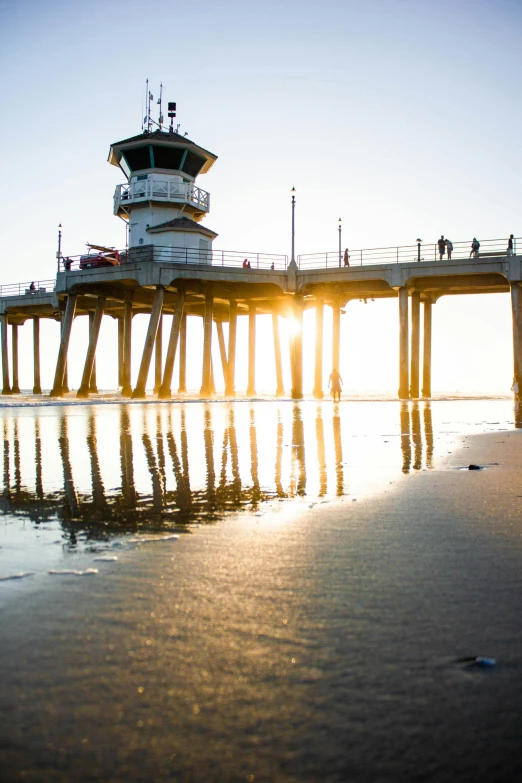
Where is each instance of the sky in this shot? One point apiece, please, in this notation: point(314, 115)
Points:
point(400, 116)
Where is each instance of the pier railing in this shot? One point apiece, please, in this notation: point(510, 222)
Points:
point(405, 254)
point(175, 255)
point(28, 289)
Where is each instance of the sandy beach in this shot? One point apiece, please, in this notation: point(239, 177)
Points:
point(316, 642)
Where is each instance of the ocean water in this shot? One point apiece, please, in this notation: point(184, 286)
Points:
point(242, 591)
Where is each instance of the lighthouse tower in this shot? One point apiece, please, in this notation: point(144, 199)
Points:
point(160, 199)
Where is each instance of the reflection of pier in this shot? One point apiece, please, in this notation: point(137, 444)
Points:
point(155, 452)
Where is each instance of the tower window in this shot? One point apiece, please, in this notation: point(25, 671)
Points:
point(193, 164)
point(168, 157)
point(138, 158)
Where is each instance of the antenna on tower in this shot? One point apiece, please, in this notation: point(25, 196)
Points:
point(160, 122)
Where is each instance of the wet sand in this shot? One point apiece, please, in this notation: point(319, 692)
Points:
point(301, 645)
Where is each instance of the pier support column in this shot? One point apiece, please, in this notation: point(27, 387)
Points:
point(318, 377)
point(336, 337)
point(206, 374)
point(6, 389)
point(15, 389)
point(93, 386)
point(67, 322)
point(37, 388)
point(415, 345)
point(126, 388)
point(222, 350)
point(158, 356)
point(164, 392)
point(280, 390)
point(90, 359)
point(230, 386)
point(426, 350)
point(120, 352)
point(251, 389)
point(155, 315)
point(404, 381)
point(183, 356)
point(516, 313)
point(65, 383)
point(297, 363)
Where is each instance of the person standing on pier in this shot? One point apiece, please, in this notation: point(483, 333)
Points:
point(510, 245)
point(442, 246)
point(449, 248)
point(475, 245)
point(346, 259)
point(335, 382)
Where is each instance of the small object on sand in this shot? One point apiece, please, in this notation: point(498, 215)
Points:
point(73, 572)
point(482, 661)
point(474, 467)
point(21, 575)
point(106, 559)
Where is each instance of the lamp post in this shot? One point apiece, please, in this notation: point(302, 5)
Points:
point(293, 225)
point(340, 229)
point(418, 248)
point(59, 251)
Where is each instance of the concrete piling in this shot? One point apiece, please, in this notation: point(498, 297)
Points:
point(126, 388)
point(206, 374)
point(158, 356)
point(183, 356)
point(516, 314)
point(93, 386)
point(15, 388)
point(157, 305)
point(86, 383)
point(164, 391)
point(251, 389)
point(37, 388)
point(426, 349)
point(404, 381)
point(230, 387)
point(6, 388)
point(318, 370)
point(280, 389)
point(297, 364)
point(415, 344)
point(60, 383)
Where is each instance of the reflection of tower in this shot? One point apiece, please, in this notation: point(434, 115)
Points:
point(405, 437)
point(160, 200)
point(321, 455)
point(416, 436)
point(428, 434)
point(338, 446)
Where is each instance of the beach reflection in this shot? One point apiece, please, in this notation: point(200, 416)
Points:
point(113, 469)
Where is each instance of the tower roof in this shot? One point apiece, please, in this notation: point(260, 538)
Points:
point(173, 141)
point(181, 224)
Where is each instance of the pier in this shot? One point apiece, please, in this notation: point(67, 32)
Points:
point(218, 290)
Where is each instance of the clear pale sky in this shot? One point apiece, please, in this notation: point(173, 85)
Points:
point(402, 117)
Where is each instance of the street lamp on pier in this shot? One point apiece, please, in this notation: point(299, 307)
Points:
point(339, 222)
point(418, 248)
point(293, 225)
point(59, 251)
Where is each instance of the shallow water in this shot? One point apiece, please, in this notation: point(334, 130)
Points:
point(265, 604)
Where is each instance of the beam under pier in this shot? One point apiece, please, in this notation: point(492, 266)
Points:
point(15, 389)
point(155, 315)
point(164, 392)
point(126, 388)
point(415, 344)
point(93, 386)
point(206, 374)
point(230, 384)
point(67, 322)
point(280, 390)
point(404, 381)
point(37, 388)
point(90, 359)
point(6, 388)
point(318, 375)
point(426, 350)
point(297, 363)
point(516, 313)
point(251, 389)
point(183, 356)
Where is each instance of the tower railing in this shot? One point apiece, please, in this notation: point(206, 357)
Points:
point(406, 254)
point(161, 190)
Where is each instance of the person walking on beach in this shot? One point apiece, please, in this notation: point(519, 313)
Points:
point(442, 246)
point(475, 245)
point(449, 248)
point(335, 383)
point(510, 245)
point(346, 259)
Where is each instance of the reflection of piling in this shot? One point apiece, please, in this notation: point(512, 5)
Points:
point(161, 453)
point(7, 466)
point(98, 490)
point(428, 434)
point(209, 458)
point(298, 450)
point(416, 436)
point(279, 458)
point(38, 459)
point(127, 467)
point(157, 493)
point(405, 437)
point(16, 458)
point(338, 446)
point(254, 466)
point(321, 454)
point(68, 480)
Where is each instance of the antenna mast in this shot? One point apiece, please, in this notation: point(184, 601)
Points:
point(160, 122)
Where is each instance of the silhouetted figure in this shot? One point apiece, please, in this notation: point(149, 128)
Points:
point(32, 287)
point(510, 245)
point(335, 384)
point(449, 248)
point(442, 246)
point(475, 245)
point(346, 258)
